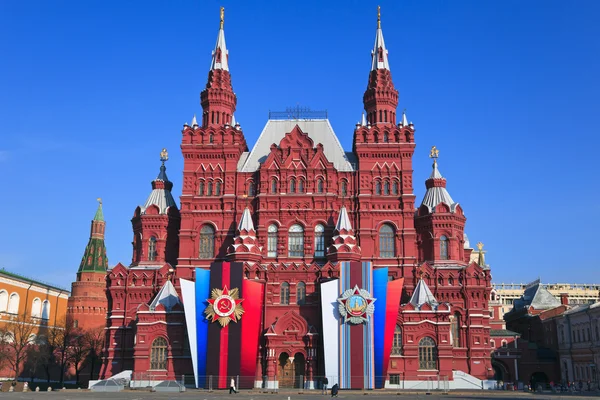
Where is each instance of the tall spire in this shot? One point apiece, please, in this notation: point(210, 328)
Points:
point(99, 214)
point(381, 97)
point(94, 258)
point(344, 246)
point(217, 99)
point(379, 53)
point(220, 54)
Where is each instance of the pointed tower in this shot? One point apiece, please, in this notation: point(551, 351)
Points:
point(88, 303)
point(381, 97)
point(245, 246)
point(217, 99)
point(156, 223)
point(344, 246)
point(384, 153)
point(440, 222)
point(211, 152)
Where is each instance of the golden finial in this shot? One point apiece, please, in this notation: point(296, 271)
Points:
point(164, 155)
point(480, 246)
point(222, 16)
point(378, 17)
point(99, 200)
point(434, 153)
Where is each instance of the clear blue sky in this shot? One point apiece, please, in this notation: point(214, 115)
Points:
point(90, 91)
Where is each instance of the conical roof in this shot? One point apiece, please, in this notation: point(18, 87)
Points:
point(343, 221)
point(220, 54)
point(379, 53)
point(161, 193)
point(436, 191)
point(246, 221)
point(167, 296)
point(422, 295)
point(99, 214)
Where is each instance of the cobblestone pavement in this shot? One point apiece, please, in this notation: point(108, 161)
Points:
point(291, 395)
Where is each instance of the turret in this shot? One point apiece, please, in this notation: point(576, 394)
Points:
point(156, 223)
point(245, 246)
point(344, 246)
point(440, 221)
point(94, 258)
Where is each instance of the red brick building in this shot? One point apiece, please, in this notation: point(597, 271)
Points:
point(311, 205)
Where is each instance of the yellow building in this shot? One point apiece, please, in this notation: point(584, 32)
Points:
point(21, 296)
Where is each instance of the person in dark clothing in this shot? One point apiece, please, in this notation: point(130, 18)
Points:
point(232, 386)
point(334, 390)
point(324, 384)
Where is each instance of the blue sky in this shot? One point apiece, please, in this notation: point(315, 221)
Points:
point(90, 91)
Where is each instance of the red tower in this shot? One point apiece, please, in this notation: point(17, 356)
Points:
point(87, 305)
point(156, 223)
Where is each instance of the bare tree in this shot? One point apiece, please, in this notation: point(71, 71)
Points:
point(94, 339)
point(78, 351)
point(60, 338)
point(16, 335)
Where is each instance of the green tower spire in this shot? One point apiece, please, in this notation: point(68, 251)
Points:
point(94, 258)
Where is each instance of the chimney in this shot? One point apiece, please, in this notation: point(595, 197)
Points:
point(564, 299)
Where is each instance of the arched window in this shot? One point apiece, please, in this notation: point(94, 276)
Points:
point(201, 188)
point(300, 293)
point(284, 293)
point(152, 248)
point(320, 185)
point(344, 188)
point(319, 241)
point(211, 137)
point(386, 242)
point(440, 281)
point(386, 138)
point(378, 187)
point(13, 303)
point(272, 241)
point(386, 188)
point(46, 310)
point(394, 188)
point(443, 248)
point(273, 185)
point(251, 189)
point(209, 188)
point(3, 300)
point(293, 185)
point(450, 281)
point(158, 354)
point(36, 308)
point(207, 242)
point(427, 353)
point(301, 186)
point(296, 241)
point(218, 188)
point(455, 330)
point(397, 343)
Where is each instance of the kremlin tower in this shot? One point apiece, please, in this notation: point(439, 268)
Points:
point(88, 306)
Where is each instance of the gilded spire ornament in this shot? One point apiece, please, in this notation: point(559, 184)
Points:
point(164, 155)
point(99, 200)
point(378, 17)
point(481, 258)
point(222, 17)
point(434, 153)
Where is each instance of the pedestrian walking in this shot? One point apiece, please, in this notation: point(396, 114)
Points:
point(324, 384)
point(334, 390)
point(232, 386)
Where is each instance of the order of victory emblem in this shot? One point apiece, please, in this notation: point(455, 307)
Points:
point(356, 305)
point(224, 306)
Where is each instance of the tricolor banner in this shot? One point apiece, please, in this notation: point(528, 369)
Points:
point(223, 312)
point(359, 313)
